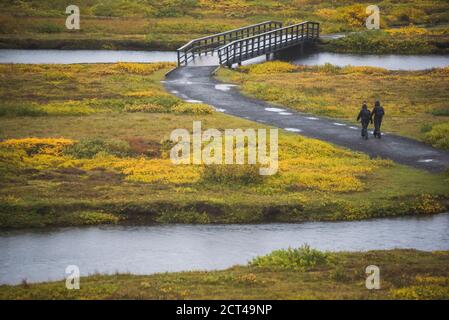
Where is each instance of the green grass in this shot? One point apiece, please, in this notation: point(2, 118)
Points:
point(404, 274)
point(382, 42)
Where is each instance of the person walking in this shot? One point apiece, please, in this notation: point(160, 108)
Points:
point(364, 117)
point(378, 114)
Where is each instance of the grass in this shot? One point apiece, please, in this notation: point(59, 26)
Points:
point(411, 99)
point(404, 274)
point(136, 24)
point(112, 163)
point(404, 40)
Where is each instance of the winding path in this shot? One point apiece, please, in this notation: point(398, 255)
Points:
point(197, 84)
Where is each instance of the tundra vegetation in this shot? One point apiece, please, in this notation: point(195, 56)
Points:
point(302, 273)
point(88, 144)
point(166, 24)
point(416, 102)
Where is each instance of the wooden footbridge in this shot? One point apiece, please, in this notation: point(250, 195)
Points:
point(238, 45)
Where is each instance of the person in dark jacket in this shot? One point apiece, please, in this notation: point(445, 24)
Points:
point(378, 114)
point(364, 117)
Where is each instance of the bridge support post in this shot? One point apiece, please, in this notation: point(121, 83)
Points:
point(268, 56)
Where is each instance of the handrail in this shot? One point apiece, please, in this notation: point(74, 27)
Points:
point(210, 43)
point(269, 32)
point(228, 32)
point(267, 42)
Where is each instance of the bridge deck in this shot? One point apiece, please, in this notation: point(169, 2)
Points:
point(239, 45)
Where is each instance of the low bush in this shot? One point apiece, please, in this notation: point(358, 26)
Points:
point(443, 112)
point(382, 42)
point(50, 28)
point(94, 218)
point(150, 108)
point(438, 136)
point(232, 174)
point(32, 146)
point(302, 258)
point(88, 148)
point(192, 108)
point(142, 68)
point(271, 67)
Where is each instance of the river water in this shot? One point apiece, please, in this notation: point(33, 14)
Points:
point(393, 62)
point(387, 61)
point(42, 255)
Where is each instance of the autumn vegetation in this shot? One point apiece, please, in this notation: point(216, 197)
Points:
point(167, 24)
point(89, 144)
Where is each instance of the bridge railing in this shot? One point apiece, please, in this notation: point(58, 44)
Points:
point(210, 43)
point(268, 42)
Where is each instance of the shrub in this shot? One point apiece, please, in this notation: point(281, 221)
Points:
point(408, 31)
point(379, 41)
point(443, 112)
point(364, 70)
point(165, 148)
point(192, 108)
point(143, 68)
point(32, 146)
point(150, 108)
point(302, 258)
point(146, 93)
point(183, 217)
point(21, 109)
point(271, 67)
point(93, 218)
point(165, 100)
point(232, 173)
point(438, 136)
point(67, 108)
point(50, 28)
point(88, 148)
point(423, 292)
point(354, 15)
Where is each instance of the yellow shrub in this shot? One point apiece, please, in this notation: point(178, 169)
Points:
point(150, 108)
point(408, 31)
point(48, 146)
point(270, 67)
point(422, 293)
point(144, 170)
point(143, 68)
point(364, 70)
point(327, 14)
point(146, 93)
point(192, 108)
point(303, 164)
point(354, 15)
point(68, 108)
